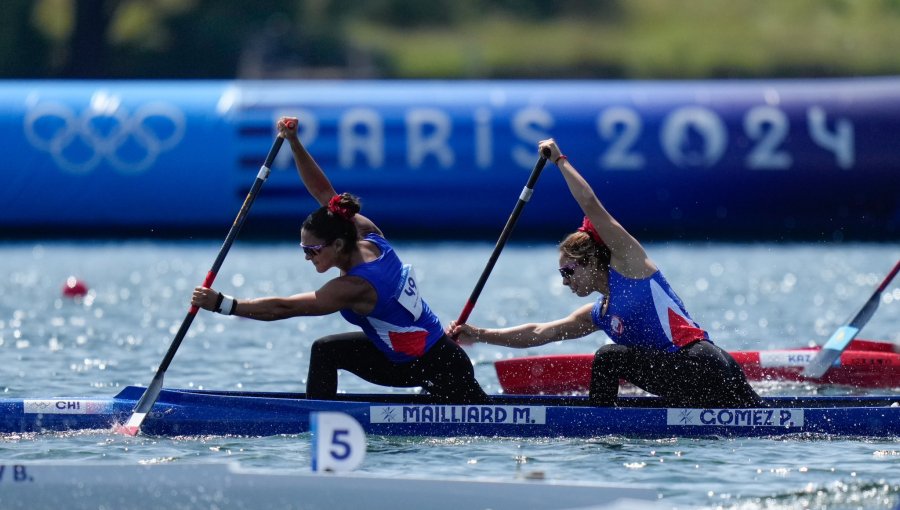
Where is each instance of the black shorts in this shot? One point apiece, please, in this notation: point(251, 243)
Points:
point(698, 375)
point(445, 371)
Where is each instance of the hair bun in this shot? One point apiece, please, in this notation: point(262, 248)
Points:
point(588, 228)
point(344, 205)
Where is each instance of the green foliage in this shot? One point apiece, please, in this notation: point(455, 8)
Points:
point(21, 48)
point(448, 38)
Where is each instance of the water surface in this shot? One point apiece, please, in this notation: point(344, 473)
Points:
point(751, 297)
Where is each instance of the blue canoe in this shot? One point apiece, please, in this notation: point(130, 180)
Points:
point(201, 412)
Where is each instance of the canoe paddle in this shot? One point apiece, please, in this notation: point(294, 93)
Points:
point(524, 197)
point(133, 425)
point(842, 337)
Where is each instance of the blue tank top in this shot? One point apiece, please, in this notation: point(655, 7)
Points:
point(401, 325)
point(646, 313)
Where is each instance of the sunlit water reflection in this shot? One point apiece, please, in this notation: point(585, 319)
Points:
point(750, 297)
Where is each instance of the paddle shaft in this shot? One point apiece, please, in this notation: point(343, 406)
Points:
point(841, 338)
point(866, 312)
point(152, 393)
point(524, 197)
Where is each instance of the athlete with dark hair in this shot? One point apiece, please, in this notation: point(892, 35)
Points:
point(658, 346)
point(402, 342)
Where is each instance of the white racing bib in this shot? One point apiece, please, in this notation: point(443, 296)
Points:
point(408, 292)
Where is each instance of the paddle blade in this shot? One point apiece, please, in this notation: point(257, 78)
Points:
point(866, 312)
point(844, 335)
point(831, 352)
point(132, 427)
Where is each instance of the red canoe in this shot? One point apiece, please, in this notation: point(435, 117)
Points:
point(865, 364)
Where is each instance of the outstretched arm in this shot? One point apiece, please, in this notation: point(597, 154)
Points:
point(313, 176)
point(337, 294)
point(628, 256)
point(576, 325)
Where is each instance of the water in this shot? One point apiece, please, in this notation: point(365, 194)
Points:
point(749, 296)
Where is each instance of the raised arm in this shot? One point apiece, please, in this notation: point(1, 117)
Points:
point(576, 325)
point(628, 256)
point(312, 175)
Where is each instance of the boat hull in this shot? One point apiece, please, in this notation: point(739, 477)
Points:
point(186, 412)
point(868, 365)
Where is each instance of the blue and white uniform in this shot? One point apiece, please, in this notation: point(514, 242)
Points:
point(661, 349)
point(401, 325)
point(646, 312)
point(402, 343)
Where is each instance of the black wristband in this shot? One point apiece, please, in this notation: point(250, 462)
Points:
point(218, 307)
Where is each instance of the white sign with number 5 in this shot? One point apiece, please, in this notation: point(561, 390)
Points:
point(338, 442)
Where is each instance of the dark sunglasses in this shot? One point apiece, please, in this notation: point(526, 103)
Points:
point(568, 270)
point(313, 249)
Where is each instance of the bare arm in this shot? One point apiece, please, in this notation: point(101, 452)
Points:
point(340, 293)
point(576, 325)
point(312, 175)
point(628, 256)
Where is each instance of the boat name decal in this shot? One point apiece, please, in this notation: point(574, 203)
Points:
point(503, 415)
point(785, 358)
point(63, 406)
point(777, 417)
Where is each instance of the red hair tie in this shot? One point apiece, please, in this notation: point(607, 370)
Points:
point(334, 205)
point(588, 228)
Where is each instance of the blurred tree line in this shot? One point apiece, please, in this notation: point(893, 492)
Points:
point(448, 38)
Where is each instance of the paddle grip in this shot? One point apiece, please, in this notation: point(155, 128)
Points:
point(466, 311)
point(207, 282)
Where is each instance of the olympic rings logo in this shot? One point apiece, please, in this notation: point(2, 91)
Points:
point(104, 131)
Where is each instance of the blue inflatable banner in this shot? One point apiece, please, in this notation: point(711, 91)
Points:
point(778, 159)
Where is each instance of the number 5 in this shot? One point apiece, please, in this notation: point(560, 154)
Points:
point(339, 442)
point(341, 448)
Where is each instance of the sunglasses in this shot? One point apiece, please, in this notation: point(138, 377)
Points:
point(313, 249)
point(568, 270)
